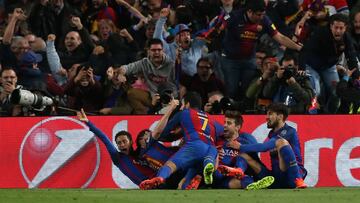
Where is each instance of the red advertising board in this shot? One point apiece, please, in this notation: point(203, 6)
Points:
point(59, 152)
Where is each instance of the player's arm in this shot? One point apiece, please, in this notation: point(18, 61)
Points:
point(219, 130)
point(259, 147)
point(174, 122)
point(109, 146)
point(164, 119)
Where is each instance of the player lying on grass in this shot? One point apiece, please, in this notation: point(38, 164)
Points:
point(125, 159)
point(150, 157)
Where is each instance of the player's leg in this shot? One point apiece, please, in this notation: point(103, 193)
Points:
point(165, 171)
point(263, 183)
point(237, 171)
point(209, 164)
point(256, 165)
point(191, 180)
point(288, 163)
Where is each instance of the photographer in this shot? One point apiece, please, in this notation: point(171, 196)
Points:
point(254, 93)
point(17, 101)
point(8, 82)
point(161, 100)
point(218, 104)
point(290, 86)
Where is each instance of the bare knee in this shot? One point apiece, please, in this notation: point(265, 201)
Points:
point(281, 142)
point(234, 184)
point(252, 163)
point(171, 165)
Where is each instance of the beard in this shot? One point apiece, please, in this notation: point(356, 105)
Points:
point(272, 124)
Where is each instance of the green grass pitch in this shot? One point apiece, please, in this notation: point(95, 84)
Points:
point(309, 195)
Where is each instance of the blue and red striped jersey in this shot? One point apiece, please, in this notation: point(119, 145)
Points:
point(156, 154)
point(195, 124)
point(136, 170)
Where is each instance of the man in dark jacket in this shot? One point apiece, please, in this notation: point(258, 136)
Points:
point(78, 45)
point(321, 53)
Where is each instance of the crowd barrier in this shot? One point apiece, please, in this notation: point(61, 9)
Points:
point(59, 152)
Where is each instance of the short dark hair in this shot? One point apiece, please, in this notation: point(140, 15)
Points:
point(236, 115)
point(340, 18)
point(255, 5)
point(7, 68)
point(289, 57)
point(279, 108)
point(155, 41)
point(140, 135)
point(205, 59)
point(184, 14)
point(128, 135)
point(194, 99)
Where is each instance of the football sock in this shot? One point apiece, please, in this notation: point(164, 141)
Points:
point(164, 172)
point(241, 163)
point(288, 156)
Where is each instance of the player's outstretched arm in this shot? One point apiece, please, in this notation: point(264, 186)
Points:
point(101, 135)
point(259, 147)
point(164, 119)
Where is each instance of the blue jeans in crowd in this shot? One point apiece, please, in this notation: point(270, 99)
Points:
point(330, 78)
point(238, 74)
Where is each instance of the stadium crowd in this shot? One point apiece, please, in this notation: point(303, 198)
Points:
point(116, 57)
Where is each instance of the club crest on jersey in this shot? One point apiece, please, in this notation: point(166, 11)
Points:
point(283, 133)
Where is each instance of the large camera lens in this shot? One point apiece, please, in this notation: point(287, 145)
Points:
point(289, 72)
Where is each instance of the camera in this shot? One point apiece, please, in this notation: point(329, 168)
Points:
point(26, 98)
point(218, 107)
point(165, 96)
point(289, 72)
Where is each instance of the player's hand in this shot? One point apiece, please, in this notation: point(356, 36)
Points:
point(221, 152)
point(82, 116)
point(233, 144)
point(173, 104)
